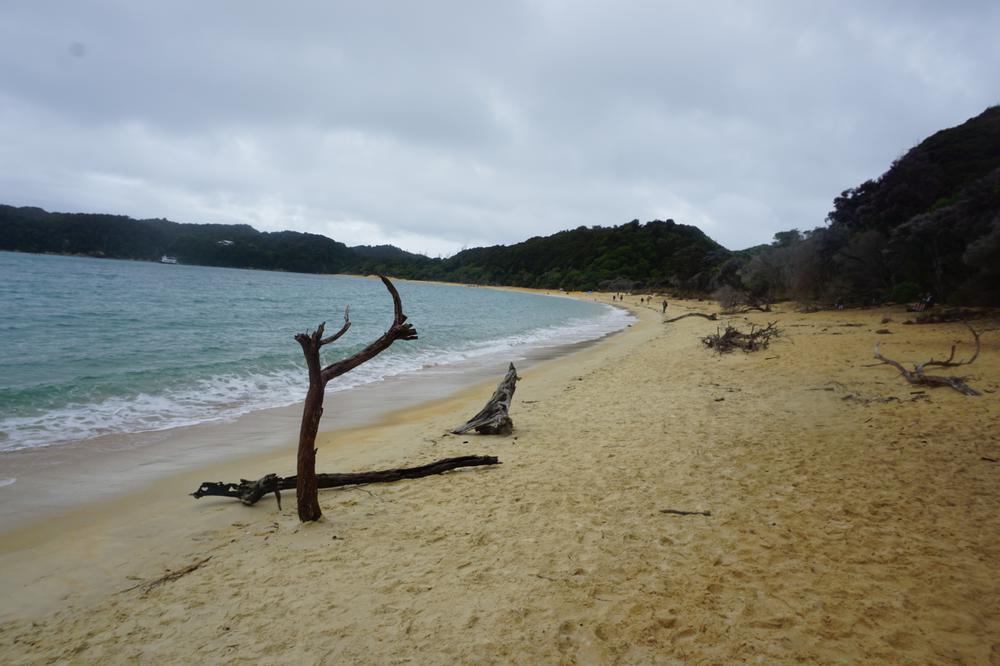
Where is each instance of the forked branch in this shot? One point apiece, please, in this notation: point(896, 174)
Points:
point(918, 376)
point(398, 330)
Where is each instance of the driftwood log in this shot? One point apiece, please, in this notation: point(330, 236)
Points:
point(250, 491)
point(710, 317)
point(494, 418)
point(917, 376)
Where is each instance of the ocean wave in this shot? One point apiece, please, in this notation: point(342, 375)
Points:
point(226, 396)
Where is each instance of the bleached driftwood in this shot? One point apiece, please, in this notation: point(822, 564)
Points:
point(494, 418)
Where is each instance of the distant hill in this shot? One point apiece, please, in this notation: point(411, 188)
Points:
point(654, 254)
point(929, 224)
point(120, 237)
point(385, 253)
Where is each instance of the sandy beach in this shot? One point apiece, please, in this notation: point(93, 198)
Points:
point(841, 516)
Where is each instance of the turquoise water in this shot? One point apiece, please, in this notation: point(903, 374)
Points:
point(92, 347)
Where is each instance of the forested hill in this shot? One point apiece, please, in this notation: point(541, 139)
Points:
point(120, 237)
point(930, 223)
point(655, 253)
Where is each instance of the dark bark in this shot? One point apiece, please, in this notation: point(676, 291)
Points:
point(710, 317)
point(312, 411)
point(250, 491)
point(494, 418)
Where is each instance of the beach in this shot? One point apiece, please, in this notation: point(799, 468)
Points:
point(657, 503)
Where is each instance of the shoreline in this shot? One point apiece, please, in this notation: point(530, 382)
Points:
point(46, 480)
point(850, 518)
point(51, 508)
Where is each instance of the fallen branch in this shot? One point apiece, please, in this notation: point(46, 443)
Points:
point(710, 317)
point(169, 577)
point(249, 491)
point(677, 512)
point(917, 376)
point(494, 419)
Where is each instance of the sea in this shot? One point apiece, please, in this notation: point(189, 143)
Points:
point(91, 348)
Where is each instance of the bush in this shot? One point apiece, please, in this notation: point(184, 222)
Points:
point(905, 292)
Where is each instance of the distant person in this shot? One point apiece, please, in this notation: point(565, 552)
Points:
point(664, 307)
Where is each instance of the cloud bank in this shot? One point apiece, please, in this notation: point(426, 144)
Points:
point(440, 125)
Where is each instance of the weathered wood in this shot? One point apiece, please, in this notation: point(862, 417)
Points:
point(733, 338)
point(250, 491)
point(312, 410)
point(678, 512)
point(494, 418)
point(918, 377)
point(710, 317)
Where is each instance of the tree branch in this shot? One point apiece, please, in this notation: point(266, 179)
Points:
point(343, 329)
point(917, 376)
point(399, 330)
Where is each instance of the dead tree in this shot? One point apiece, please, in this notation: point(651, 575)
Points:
point(306, 489)
point(249, 492)
point(918, 376)
point(494, 419)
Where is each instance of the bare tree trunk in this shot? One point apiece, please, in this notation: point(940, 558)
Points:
point(312, 411)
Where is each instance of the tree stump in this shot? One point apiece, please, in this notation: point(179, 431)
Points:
point(494, 418)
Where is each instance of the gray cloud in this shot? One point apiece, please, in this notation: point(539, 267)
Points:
point(440, 125)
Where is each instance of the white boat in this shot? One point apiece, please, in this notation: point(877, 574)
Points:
point(168, 260)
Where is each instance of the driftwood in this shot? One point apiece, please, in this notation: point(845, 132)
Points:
point(494, 419)
point(249, 491)
point(917, 376)
point(678, 512)
point(710, 317)
point(312, 410)
point(733, 338)
point(169, 577)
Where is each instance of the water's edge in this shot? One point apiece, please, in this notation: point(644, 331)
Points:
point(33, 482)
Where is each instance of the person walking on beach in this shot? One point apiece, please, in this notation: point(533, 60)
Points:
point(664, 306)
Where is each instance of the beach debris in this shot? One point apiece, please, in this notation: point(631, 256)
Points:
point(918, 377)
point(249, 492)
point(494, 419)
point(710, 317)
point(678, 512)
point(312, 412)
point(169, 576)
point(732, 338)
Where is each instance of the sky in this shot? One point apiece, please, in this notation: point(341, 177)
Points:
point(436, 126)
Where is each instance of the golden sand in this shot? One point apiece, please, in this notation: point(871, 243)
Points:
point(854, 519)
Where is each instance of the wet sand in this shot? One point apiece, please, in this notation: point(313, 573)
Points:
point(853, 519)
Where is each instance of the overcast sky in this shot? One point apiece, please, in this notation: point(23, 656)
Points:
point(438, 125)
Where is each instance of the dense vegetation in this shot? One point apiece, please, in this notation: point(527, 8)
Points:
point(931, 223)
point(119, 237)
point(652, 255)
point(655, 254)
